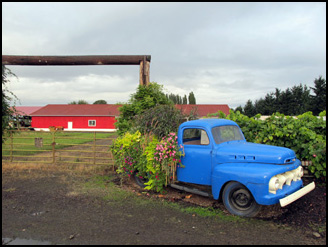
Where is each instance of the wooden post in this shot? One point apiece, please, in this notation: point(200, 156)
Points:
point(94, 148)
point(144, 72)
point(53, 148)
point(11, 146)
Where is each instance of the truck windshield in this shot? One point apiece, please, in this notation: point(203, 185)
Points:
point(227, 133)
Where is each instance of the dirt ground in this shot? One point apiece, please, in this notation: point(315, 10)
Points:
point(62, 206)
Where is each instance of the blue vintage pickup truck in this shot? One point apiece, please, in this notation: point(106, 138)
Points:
point(219, 162)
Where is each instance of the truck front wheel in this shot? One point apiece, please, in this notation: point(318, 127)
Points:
point(239, 201)
point(140, 180)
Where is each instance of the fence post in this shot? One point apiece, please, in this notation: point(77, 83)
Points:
point(53, 148)
point(11, 146)
point(94, 148)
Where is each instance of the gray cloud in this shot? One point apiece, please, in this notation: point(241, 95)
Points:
point(224, 52)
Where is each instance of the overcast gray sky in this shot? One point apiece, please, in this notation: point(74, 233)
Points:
point(226, 53)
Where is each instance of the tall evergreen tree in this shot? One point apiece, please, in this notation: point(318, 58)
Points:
point(301, 99)
point(191, 98)
point(319, 100)
point(249, 109)
point(185, 100)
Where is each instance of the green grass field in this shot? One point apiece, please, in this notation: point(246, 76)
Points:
point(23, 143)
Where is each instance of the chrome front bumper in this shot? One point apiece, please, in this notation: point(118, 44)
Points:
point(296, 195)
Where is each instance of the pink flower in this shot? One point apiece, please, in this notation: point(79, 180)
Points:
point(314, 155)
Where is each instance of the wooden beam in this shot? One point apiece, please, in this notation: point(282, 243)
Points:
point(75, 60)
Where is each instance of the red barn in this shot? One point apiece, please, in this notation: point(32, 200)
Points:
point(95, 117)
point(98, 117)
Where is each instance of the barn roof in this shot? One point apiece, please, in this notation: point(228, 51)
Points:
point(112, 110)
point(203, 110)
point(25, 110)
point(78, 110)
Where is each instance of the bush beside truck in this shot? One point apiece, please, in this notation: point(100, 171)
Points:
point(304, 134)
point(147, 158)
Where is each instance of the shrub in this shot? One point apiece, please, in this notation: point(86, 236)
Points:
point(147, 157)
point(145, 97)
point(127, 151)
point(306, 135)
point(159, 120)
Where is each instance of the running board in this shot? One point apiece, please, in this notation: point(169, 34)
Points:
point(191, 190)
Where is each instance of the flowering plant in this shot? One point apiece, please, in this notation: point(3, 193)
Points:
point(168, 155)
point(127, 152)
point(148, 158)
point(162, 159)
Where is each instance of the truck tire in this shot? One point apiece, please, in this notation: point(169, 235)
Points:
point(239, 200)
point(140, 181)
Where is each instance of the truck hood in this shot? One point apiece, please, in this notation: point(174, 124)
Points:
point(242, 151)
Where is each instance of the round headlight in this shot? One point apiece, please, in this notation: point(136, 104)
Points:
point(300, 172)
point(273, 185)
point(282, 180)
point(289, 177)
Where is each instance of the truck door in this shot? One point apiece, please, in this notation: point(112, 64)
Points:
point(197, 161)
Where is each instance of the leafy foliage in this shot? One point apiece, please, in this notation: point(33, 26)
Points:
point(7, 97)
point(145, 98)
point(306, 135)
point(147, 157)
point(159, 120)
point(127, 152)
point(100, 101)
point(79, 102)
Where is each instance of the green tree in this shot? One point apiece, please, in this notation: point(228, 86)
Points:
point(249, 109)
point(286, 100)
point(185, 100)
point(301, 99)
point(319, 100)
point(79, 102)
point(99, 102)
point(240, 109)
point(294, 101)
point(145, 97)
point(175, 98)
point(191, 98)
point(7, 98)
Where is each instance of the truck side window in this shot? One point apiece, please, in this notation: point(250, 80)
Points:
point(195, 137)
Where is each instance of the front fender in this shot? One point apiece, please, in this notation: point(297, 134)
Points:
point(255, 177)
